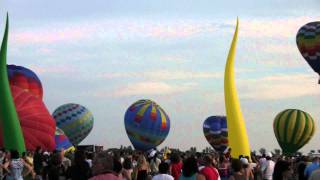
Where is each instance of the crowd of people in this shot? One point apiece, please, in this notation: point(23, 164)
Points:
point(121, 165)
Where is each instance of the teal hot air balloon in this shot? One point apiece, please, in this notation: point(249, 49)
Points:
point(75, 120)
point(147, 124)
point(293, 129)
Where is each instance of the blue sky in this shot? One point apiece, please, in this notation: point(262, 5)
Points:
point(106, 55)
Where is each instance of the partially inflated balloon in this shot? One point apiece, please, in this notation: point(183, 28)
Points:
point(147, 124)
point(37, 124)
point(62, 141)
point(308, 42)
point(12, 133)
point(75, 120)
point(216, 132)
point(25, 79)
point(293, 129)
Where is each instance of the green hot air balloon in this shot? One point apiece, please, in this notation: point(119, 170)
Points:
point(293, 129)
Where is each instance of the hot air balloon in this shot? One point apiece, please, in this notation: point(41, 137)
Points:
point(293, 129)
point(62, 141)
point(216, 132)
point(37, 124)
point(147, 124)
point(75, 120)
point(25, 79)
point(308, 42)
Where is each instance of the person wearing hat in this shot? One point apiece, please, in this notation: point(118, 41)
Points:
point(247, 171)
point(267, 169)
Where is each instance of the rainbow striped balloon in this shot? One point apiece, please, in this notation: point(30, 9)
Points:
point(75, 120)
point(308, 42)
point(293, 129)
point(147, 124)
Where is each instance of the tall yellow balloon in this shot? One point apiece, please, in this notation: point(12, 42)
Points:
point(237, 134)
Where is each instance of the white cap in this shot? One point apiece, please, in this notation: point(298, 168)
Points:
point(269, 154)
point(244, 161)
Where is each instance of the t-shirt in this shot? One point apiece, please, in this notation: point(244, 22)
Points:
point(268, 170)
point(309, 169)
point(210, 173)
point(162, 177)
point(176, 170)
point(108, 176)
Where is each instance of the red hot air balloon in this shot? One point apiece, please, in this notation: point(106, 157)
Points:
point(26, 79)
point(37, 124)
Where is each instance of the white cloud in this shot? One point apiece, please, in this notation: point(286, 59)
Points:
point(147, 88)
point(165, 75)
point(279, 86)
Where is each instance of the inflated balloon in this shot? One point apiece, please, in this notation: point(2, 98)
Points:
point(11, 129)
point(147, 124)
point(308, 42)
point(37, 124)
point(293, 129)
point(25, 79)
point(237, 133)
point(75, 120)
point(62, 141)
point(216, 132)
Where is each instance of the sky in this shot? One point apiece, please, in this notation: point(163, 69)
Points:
point(108, 54)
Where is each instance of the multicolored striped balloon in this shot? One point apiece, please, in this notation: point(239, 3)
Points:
point(26, 79)
point(216, 132)
point(308, 42)
point(75, 120)
point(147, 124)
point(293, 129)
point(62, 141)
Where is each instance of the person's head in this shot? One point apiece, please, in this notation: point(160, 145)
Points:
point(79, 157)
point(315, 160)
point(190, 167)
point(14, 154)
point(163, 168)
point(38, 150)
point(244, 162)
point(127, 163)
point(269, 156)
point(208, 160)
point(142, 161)
point(175, 158)
point(56, 159)
point(236, 165)
point(102, 162)
point(282, 169)
point(117, 166)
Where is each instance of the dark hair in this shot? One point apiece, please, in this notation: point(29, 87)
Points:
point(117, 166)
point(14, 154)
point(190, 167)
point(175, 158)
point(79, 157)
point(236, 165)
point(208, 160)
point(127, 164)
point(163, 168)
point(280, 167)
point(268, 158)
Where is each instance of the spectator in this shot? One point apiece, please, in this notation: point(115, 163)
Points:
point(163, 172)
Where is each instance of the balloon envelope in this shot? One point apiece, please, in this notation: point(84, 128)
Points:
point(75, 120)
point(37, 124)
point(147, 124)
point(216, 132)
point(308, 42)
point(62, 141)
point(293, 129)
point(26, 79)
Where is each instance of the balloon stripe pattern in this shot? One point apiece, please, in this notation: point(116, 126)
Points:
point(293, 129)
point(62, 141)
point(26, 79)
point(75, 120)
point(216, 132)
point(308, 42)
point(147, 124)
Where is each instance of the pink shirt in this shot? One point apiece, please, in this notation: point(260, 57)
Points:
point(108, 176)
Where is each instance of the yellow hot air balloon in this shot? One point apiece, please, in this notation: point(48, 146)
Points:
point(237, 135)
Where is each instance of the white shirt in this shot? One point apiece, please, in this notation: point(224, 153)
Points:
point(268, 170)
point(163, 177)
